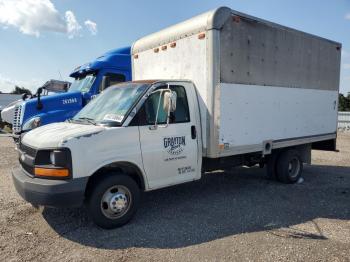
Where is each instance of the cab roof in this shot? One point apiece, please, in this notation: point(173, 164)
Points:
point(117, 58)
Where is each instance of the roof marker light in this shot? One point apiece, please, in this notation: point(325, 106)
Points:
point(164, 47)
point(136, 56)
point(172, 45)
point(156, 50)
point(236, 19)
point(201, 36)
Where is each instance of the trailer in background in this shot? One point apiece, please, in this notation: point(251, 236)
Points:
point(344, 121)
point(7, 102)
point(6, 99)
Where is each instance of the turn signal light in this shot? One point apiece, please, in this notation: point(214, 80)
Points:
point(51, 172)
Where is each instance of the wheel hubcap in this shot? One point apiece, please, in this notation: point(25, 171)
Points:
point(116, 201)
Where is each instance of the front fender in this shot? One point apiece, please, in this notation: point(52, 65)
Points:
point(128, 167)
point(94, 151)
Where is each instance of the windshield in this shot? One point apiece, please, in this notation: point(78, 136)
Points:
point(82, 84)
point(112, 106)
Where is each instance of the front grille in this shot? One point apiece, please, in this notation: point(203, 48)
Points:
point(29, 154)
point(16, 125)
point(27, 150)
point(28, 168)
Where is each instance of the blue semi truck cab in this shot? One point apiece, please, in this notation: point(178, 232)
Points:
point(89, 80)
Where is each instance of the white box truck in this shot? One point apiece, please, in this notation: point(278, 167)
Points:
point(233, 90)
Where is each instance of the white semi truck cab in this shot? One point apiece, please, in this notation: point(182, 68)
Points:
point(235, 90)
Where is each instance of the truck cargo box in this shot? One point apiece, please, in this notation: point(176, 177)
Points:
point(260, 85)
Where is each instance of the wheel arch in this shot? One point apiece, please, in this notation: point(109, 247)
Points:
point(127, 168)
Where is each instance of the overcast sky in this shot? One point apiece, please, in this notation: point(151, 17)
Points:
point(43, 39)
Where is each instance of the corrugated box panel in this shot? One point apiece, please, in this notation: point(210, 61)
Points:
point(257, 53)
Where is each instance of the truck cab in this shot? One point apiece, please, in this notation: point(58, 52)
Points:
point(89, 80)
point(147, 132)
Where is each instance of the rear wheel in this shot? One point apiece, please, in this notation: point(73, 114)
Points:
point(289, 166)
point(113, 201)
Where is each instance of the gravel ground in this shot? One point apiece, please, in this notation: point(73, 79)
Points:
point(236, 215)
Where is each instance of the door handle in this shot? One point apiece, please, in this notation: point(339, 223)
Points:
point(193, 132)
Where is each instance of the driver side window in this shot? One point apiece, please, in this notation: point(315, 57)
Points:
point(147, 114)
point(110, 79)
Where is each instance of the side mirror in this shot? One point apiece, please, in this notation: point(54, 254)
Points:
point(39, 91)
point(39, 105)
point(24, 96)
point(104, 83)
point(169, 104)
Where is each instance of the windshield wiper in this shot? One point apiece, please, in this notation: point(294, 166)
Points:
point(89, 120)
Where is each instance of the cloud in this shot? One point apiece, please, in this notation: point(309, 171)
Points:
point(347, 16)
point(7, 84)
point(33, 17)
point(346, 66)
point(91, 26)
point(73, 27)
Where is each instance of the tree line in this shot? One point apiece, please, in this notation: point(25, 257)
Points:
point(344, 102)
point(20, 90)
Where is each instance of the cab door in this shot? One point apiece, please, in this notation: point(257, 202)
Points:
point(170, 152)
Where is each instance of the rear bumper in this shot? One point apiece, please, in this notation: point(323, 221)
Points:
point(47, 192)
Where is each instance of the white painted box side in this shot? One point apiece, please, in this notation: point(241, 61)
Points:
point(187, 61)
point(251, 114)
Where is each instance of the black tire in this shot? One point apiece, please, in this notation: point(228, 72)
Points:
point(271, 166)
point(289, 167)
point(115, 187)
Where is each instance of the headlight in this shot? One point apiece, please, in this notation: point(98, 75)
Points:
point(58, 158)
point(56, 163)
point(32, 123)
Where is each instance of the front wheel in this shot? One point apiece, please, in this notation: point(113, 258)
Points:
point(289, 167)
point(113, 201)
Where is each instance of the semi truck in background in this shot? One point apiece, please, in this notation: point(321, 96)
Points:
point(89, 80)
point(50, 87)
point(232, 90)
